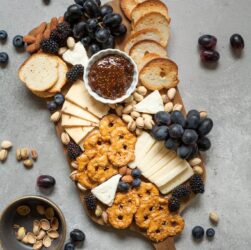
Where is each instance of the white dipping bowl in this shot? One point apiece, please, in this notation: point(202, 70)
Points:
point(100, 55)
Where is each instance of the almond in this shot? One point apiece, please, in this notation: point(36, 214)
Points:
point(29, 39)
point(65, 138)
point(53, 23)
point(55, 117)
point(3, 155)
point(171, 93)
point(168, 107)
point(40, 29)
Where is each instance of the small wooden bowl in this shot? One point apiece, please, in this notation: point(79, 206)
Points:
point(10, 217)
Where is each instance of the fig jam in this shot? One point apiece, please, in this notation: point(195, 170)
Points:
point(111, 76)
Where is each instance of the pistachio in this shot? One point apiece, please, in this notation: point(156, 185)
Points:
point(31, 238)
point(135, 114)
point(25, 239)
point(55, 117)
point(214, 217)
point(81, 187)
point(70, 42)
point(34, 154)
point(203, 114)
point(148, 124)
point(98, 211)
point(168, 107)
point(198, 170)
point(36, 227)
point(129, 99)
point(127, 118)
point(24, 153)
point(104, 216)
point(147, 117)
point(38, 245)
point(138, 97)
point(53, 234)
point(138, 131)
point(40, 209)
point(119, 110)
point(6, 144)
point(21, 233)
point(3, 155)
point(41, 234)
point(142, 90)
point(18, 154)
point(127, 178)
point(47, 241)
point(164, 99)
point(45, 224)
point(74, 164)
point(54, 223)
point(171, 93)
point(131, 126)
point(177, 107)
point(140, 122)
point(49, 213)
point(195, 161)
point(62, 50)
point(73, 175)
point(65, 138)
point(28, 163)
point(128, 109)
point(23, 210)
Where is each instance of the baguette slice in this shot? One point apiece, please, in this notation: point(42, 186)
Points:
point(146, 59)
point(154, 20)
point(147, 7)
point(159, 73)
point(140, 49)
point(145, 34)
point(72, 121)
point(39, 72)
point(127, 6)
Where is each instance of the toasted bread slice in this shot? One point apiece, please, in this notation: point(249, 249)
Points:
point(159, 73)
point(147, 7)
point(154, 20)
point(145, 34)
point(43, 94)
point(62, 70)
point(127, 6)
point(73, 121)
point(147, 58)
point(141, 48)
point(39, 72)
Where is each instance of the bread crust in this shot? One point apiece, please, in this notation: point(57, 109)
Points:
point(127, 6)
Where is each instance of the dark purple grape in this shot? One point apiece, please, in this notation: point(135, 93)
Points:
point(237, 41)
point(184, 151)
point(162, 118)
point(112, 20)
point(171, 144)
point(198, 232)
point(194, 151)
point(52, 106)
point(77, 236)
point(69, 246)
point(160, 133)
point(207, 41)
point(119, 31)
point(209, 55)
point(79, 2)
point(102, 35)
point(177, 117)
point(176, 131)
point(74, 11)
point(193, 112)
point(190, 136)
point(46, 181)
point(106, 9)
point(110, 43)
point(192, 122)
point(91, 8)
point(86, 41)
point(80, 29)
point(92, 25)
point(97, 2)
point(205, 127)
point(93, 49)
point(204, 144)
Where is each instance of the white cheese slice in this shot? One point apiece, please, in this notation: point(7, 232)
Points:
point(106, 191)
point(144, 143)
point(151, 104)
point(72, 121)
point(77, 55)
point(78, 133)
point(178, 180)
point(157, 157)
point(71, 109)
point(78, 95)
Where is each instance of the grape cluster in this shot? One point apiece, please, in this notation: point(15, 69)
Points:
point(185, 135)
point(94, 25)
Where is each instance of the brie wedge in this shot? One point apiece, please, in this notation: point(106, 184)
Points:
point(106, 191)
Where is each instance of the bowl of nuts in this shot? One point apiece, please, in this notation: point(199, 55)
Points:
point(32, 222)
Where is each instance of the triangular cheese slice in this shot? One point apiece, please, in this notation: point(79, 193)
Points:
point(72, 121)
point(71, 109)
point(78, 95)
point(152, 104)
point(78, 133)
point(106, 191)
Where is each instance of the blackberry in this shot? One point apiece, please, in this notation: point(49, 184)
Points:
point(91, 202)
point(73, 150)
point(196, 184)
point(59, 37)
point(75, 72)
point(181, 192)
point(49, 46)
point(65, 29)
point(173, 204)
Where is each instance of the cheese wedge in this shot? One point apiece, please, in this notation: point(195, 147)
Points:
point(71, 109)
point(78, 95)
point(78, 133)
point(107, 190)
point(161, 154)
point(152, 104)
point(72, 121)
point(178, 180)
point(144, 143)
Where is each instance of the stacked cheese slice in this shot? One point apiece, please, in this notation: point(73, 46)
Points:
point(160, 165)
point(80, 112)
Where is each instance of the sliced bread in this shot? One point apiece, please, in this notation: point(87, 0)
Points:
point(154, 20)
point(127, 6)
point(39, 72)
point(147, 58)
point(141, 48)
point(149, 34)
point(147, 7)
point(159, 73)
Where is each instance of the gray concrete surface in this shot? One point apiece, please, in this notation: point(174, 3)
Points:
point(224, 91)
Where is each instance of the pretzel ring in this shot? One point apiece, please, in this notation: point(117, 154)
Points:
point(123, 134)
point(165, 225)
point(147, 210)
point(82, 162)
point(85, 181)
point(99, 169)
point(147, 190)
point(108, 124)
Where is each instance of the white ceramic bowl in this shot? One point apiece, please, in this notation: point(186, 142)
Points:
point(100, 55)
